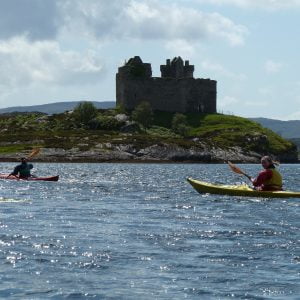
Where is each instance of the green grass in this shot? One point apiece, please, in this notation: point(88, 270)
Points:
point(16, 148)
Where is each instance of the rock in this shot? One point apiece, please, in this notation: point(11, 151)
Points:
point(130, 127)
point(108, 145)
point(121, 118)
point(42, 119)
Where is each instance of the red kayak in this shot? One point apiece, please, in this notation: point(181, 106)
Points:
point(50, 178)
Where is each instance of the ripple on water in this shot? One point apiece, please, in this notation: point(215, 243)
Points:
point(139, 231)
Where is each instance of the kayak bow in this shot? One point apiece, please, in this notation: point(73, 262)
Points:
point(238, 190)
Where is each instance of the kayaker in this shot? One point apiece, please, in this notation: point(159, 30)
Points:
point(22, 170)
point(268, 179)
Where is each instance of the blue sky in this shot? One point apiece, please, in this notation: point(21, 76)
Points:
point(68, 50)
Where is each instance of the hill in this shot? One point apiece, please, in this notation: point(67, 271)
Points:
point(287, 129)
point(55, 108)
point(111, 136)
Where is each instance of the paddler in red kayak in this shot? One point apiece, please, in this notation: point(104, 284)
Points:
point(268, 179)
point(22, 170)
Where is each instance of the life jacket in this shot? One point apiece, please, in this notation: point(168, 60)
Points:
point(274, 183)
point(24, 170)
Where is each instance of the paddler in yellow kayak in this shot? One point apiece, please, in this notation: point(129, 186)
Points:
point(268, 179)
point(22, 170)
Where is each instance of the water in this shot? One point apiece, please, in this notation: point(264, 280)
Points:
point(140, 231)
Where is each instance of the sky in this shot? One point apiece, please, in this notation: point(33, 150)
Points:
point(70, 50)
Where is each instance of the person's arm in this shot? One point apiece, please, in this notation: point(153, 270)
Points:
point(30, 166)
point(262, 177)
point(14, 172)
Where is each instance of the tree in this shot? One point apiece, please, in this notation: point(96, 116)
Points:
point(179, 124)
point(143, 114)
point(120, 108)
point(84, 112)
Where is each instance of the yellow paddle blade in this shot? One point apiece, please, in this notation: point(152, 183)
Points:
point(235, 169)
point(34, 152)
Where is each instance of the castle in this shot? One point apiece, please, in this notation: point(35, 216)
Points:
point(175, 91)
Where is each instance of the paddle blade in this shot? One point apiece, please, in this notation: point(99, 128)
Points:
point(235, 169)
point(34, 152)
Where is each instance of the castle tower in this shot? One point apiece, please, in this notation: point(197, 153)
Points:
point(188, 70)
point(130, 80)
point(176, 69)
point(136, 68)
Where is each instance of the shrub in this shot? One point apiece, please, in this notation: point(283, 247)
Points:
point(161, 132)
point(120, 108)
point(105, 123)
point(179, 124)
point(85, 112)
point(143, 114)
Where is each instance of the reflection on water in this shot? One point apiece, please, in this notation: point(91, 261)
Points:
point(140, 231)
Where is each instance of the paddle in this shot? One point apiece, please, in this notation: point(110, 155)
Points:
point(33, 153)
point(237, 170)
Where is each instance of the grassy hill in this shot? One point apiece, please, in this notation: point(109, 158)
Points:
point(229, 131)
point(21, 132)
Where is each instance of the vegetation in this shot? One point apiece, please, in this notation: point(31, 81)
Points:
point(84, 112)
point(143, 114)
point(180, 125)
point(105, 123)
point(228, 131)
point(86, 127)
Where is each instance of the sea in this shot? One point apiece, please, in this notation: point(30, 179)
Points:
point(140, 231)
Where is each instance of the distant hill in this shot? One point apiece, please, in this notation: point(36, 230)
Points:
point(287, 129)
point(55, 108)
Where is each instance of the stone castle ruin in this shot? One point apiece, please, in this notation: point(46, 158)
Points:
point(175, 91)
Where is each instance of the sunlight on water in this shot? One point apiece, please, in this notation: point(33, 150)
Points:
point(11, 200)
point(140, 231)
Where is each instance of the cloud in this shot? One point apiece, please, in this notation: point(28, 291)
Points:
point(35, 36)
point(173, 22)
point(257, 103)
point(115, 19)
point(149, 20)
point(37, 19)
point(24, 63)
point(263, 4)
point(221, 71)
point(180, 46)
point(227, 101)
point(272, 67)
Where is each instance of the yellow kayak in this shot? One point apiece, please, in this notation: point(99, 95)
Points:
point(238, 190)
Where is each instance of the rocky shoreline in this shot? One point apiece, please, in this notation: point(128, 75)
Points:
point(158, 153)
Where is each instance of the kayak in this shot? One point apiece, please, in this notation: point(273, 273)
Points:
point(238, 190)
point(50, 178)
